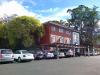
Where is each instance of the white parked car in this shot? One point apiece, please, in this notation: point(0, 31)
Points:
point(21, 55)
point(49, 55)
point(91, 53)
point(95, 53)
point(61, 54)
point(6, 55)
point(69, 53)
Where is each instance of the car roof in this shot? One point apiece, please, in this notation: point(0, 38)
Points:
point(21, 50)
point(5, 49)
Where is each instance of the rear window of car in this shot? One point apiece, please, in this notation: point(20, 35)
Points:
point(25, 52)
point(6, 52)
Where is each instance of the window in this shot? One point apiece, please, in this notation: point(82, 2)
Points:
point(61, 30)
point(53, 38)
point(76, 38)
point(62, 40)
point(17, 52)
point(6, 52)
point(65, 40)
point(25, 52)
point(53, 28)
point(68, 32)
point(58, 38)
point(68, 40)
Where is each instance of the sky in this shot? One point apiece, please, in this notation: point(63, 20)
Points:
point(44, 10)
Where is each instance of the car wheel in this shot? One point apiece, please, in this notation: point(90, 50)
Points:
point(19, 59)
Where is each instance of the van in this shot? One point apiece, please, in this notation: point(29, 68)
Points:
point(6, 55)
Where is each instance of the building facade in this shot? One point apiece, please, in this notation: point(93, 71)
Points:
point(58, 35)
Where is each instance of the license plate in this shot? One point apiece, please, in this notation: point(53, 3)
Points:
point(7, 55)
point(28, 55)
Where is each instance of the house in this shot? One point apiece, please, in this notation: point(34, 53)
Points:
point(57, 35)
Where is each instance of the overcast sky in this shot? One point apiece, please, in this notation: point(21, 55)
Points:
point(44, 10)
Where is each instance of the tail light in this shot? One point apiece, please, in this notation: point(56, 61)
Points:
point(33, 55)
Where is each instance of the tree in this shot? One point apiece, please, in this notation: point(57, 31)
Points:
point(3, 35)
point(84, 19)
point(19, 31)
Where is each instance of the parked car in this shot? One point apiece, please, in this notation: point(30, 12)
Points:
point(38, 54)
point(48, 54)
point(23, 55)
point(61, 54)
point(77, 54)
point(6, 55)
point(69, 53)
point(90, 53)
point(95, 53)
point(98, 53)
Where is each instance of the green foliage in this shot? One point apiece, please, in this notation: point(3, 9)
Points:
point(39, 31)
point(84, 15)
point(28, 41)
point(85, 20)
point(3, 31)
point(20, 30)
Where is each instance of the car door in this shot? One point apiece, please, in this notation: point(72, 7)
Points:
point(17, 54)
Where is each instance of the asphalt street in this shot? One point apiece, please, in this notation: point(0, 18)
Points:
point(66, 66)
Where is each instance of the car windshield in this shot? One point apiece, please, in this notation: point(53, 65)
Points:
point(25, 52)
point(39, 52)
point(6, 52)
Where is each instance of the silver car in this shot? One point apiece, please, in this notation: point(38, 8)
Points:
point(6, 55)
point(48, 54)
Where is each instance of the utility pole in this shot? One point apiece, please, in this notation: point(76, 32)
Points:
point(57, 52)
point(88, 51)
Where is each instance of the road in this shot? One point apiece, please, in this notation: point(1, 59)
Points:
point(66, 66)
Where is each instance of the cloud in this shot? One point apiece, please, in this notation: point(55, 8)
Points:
point(32, 2)
point(14, 7)
point(50, 10)
point(60, 14)
point(10, 7)
point(1, 1)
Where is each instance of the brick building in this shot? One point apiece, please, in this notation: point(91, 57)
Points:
point(58, 35)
